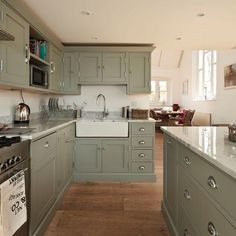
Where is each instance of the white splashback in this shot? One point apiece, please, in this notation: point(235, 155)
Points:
point(116, 97)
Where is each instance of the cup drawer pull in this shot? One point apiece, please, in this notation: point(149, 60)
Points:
point(46, 145)
point(141, 142)
point(212, 182)
point(141, 129)
point(211, 229)
point(142, 155)
point(141, 168)
point(187, 161)
point(187, 194)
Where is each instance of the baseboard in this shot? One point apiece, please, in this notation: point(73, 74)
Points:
point(47, 219)
point(170, 224)
point(93, 177)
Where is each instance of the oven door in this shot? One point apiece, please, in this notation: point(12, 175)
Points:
point(24, 165)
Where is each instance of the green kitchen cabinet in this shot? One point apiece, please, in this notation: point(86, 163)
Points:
point(70, 78)
point(114, 68)
point(14, 55)
point(90, 67)
point(170, 177)
point(43, 164)
point(115, 157)
point(55, 68)
point(139, 73)
point(88, 156)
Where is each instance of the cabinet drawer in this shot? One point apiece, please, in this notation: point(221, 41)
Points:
point(220, 186)
point(142, 141)
point(141, 128)
point(214, 221)
point(142, 155)
point(142, 167)
point(185, 225)
point(189, 196)
point(43, 147)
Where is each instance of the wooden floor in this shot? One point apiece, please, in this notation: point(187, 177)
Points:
point(113, 209)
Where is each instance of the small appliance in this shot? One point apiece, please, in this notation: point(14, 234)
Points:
point(22, 113)
point(38, 77)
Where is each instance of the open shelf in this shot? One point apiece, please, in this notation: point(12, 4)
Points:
point(38, 61)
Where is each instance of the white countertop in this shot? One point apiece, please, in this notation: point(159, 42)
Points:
point(211, 143)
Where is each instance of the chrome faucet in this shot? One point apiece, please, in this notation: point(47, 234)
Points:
point(105, 110)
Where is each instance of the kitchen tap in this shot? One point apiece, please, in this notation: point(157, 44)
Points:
point(105, 110)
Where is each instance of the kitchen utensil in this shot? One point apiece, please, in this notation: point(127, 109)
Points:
point(22, 113)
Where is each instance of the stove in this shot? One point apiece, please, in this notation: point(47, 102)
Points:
point(8, 141)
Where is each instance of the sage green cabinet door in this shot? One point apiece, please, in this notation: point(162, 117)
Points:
point(113, 68)
point(90, 68)
point(14, 67)
point(139, 73)
point(170, 177)
point(56, 69)
point(70, 74)
point(115, 156)
point(88, 156)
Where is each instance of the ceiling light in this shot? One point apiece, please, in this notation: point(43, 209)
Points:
point(201, 14)
point(86, 13)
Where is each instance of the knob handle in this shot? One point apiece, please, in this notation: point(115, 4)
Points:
point(141, 129)
point(212, 182)
point(187, 160)
point(187, 194)
point(211, 229)
point(141, 142)
point(142, 167)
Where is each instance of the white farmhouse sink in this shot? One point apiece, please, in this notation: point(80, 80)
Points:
point(101, 128)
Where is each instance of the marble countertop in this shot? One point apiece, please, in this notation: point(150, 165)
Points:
point(211, 143)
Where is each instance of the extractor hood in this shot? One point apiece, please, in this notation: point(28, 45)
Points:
point(4, 35)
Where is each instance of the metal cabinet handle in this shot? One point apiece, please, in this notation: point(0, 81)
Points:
point(211, 229)
point(142, 129)
point(46, 145)
point(187, 160)
point(1, 64)
point(141, 142)
point(141, 168)
point(53, 68)
point(27, 54)
point(169, 142)
point(187, 194)
point(99, 67)
point(212, 182)
point(142, 155)
point(103, 67)
point(186, 232)
point(69, 140)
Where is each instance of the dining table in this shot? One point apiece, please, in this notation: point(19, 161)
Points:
point(165, 115)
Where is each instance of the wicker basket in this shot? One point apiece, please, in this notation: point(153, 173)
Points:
point(140, 113)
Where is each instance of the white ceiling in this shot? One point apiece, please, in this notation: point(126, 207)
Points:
point(142, 21)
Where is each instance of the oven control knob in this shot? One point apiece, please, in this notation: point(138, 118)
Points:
point(17, 158)
point(10, 162)
point(3, 166)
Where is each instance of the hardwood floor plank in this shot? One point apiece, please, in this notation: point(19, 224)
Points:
point(113, 209)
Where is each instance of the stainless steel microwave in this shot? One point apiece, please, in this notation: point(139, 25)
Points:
point(38, 77)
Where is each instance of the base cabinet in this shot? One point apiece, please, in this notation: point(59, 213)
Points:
point(189, 205)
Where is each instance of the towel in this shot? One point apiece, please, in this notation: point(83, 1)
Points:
point(13, 210)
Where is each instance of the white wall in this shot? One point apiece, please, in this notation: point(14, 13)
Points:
point(116, 97)
point(9, 100)
point(223, 108)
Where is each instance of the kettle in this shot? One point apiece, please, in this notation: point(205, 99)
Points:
point(22, 113)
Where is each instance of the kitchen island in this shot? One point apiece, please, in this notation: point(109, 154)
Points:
point(199, 181)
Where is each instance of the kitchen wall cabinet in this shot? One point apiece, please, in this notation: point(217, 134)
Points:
point(14, 55)
point(43, 164)
point(139, 73)
point(70, 83)
point(195, 194)
point(56, 69)
point(102, 68)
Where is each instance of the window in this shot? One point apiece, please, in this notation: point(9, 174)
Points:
point(205, 68)
point(159, 92)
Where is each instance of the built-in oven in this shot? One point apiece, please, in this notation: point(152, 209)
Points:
point(38, 77)
point(15, 169)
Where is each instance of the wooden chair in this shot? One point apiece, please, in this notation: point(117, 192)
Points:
point(186, 120)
